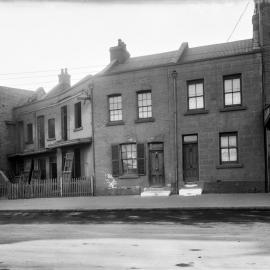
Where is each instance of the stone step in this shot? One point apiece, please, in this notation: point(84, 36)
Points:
point(190, 189)
point(156, 191)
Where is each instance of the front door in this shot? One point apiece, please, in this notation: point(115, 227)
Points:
point(156, 165)
point(190, 158)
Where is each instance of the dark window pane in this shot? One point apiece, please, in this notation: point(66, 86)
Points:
point(78, 115)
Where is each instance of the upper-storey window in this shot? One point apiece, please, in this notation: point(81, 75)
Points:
point(64, 123)
point(78, 115)
point(40, 131)
point(195, 95)
point(232, 90)
point(30, 133)
point(115, 108)
point(144, 105)
point(51, 128)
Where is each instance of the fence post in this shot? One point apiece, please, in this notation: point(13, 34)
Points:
point(61, 186)
point(92, 184)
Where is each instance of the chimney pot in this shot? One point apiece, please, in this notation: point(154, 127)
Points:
point(64, 77)
point(119, 52)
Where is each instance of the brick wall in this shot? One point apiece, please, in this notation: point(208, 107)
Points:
point(9, 98)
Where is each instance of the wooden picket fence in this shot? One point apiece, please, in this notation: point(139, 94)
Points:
point(47, 188)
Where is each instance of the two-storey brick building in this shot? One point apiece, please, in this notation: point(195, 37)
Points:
point(49, 128)
point(190, 115)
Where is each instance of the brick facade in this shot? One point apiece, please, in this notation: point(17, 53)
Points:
point(9, 98)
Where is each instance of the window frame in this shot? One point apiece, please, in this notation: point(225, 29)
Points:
point(53, 137)
point(122, 172)
point(231, 77)
point(137, 105)
point(190, 82)
point(109, 110)
point(77, 115)
point(30, 140)
point(227, 134)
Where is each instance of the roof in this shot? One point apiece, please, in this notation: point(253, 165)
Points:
point(217, 50)
point(188, 55)
point(63, 87)
point(20, 95)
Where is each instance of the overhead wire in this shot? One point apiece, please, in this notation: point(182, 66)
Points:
point(238, 21)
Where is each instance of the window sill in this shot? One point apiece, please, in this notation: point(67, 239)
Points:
point(145, 120)
point(29, 142)
point(115, 123)
point(230, 166)
point(233, 108)
point(51, 139)
point(77, 129)
point(197, 111)
point(129, 176)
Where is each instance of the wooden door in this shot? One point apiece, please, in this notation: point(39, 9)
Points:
point(156, 162)
point(190, 158)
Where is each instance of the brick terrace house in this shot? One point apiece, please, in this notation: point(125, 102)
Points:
point(52, 126)
point(190, 115)
point(195, 115)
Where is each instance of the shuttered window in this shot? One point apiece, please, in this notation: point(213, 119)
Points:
point(141, 158)
point(128, 159)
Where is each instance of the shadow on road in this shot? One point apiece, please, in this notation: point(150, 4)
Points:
point(202, 218)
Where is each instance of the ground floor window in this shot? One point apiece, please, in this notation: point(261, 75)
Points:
point(228, 148)
point(128, 159)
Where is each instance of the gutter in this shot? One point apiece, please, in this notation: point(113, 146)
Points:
point(91, 88)
point(174, 76)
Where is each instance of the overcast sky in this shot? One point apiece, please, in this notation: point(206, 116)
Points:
point(38, 38)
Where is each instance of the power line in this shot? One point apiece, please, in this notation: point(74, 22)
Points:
point(238, 21)
point(48, 70)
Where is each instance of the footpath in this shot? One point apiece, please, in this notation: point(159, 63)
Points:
point(260, 201)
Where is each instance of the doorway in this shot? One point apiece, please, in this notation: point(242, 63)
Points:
point(190, 158)
point(156, 165)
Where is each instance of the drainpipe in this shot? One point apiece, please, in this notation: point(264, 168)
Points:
point(174, 77)
point(91, 88)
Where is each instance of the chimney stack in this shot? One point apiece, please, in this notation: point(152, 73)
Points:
point(64, 77)
point(256, 27)
point(119, 52)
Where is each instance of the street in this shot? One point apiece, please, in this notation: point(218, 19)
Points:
point(130, 240)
